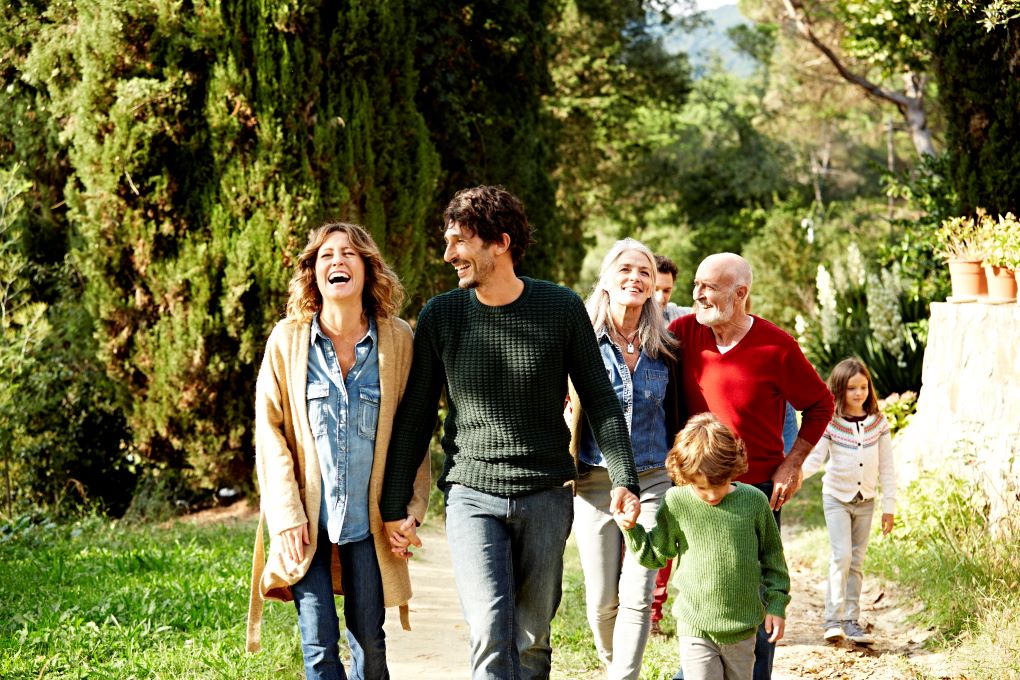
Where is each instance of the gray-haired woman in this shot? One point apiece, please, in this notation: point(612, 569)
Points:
point(638, 356)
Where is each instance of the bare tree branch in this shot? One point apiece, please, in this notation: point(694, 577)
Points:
point(911, 105)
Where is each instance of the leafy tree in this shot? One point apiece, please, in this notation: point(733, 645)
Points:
point(880, 39)
point(483, 74)
point(616, 96)
point(978, 74)
point(204, 141)
point(22, 321)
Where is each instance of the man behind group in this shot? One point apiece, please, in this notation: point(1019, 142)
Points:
point(744, 369)
point(503, 346)
point(665, 280)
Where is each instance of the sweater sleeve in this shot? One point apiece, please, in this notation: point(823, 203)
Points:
point(415, 420)
point(808, 393)
point(274, 461)
point(886, 470)
point(814, 461)
point(656, 547)
point(601, 407)
point(775, 576)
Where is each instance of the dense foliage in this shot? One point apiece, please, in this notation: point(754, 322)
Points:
point(171, 157)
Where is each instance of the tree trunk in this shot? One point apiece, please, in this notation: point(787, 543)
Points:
point(915, 115)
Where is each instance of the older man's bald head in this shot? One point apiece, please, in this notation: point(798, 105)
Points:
point(729, 266)
point(722, 288)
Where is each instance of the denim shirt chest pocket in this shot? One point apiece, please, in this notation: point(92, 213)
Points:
point(654, 383)
point(318, 404)
point(368, 411)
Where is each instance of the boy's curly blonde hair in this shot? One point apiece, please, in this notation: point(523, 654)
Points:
point(707, 448)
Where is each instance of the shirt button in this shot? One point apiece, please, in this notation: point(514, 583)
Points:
point(862, 464)
point(858, 483)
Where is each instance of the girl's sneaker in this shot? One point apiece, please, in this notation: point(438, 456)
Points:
point(834, 632)
point(857, 634)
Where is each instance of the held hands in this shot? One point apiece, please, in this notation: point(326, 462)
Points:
point(625, 507)
point(293, 542)
point(403, 533)
point(775, 626)
point(887, 523)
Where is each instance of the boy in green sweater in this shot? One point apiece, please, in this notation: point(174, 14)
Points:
point(731, 572)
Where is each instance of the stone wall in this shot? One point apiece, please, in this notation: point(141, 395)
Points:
point(968, 411)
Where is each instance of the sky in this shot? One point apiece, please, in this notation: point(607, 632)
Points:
point(712, 4)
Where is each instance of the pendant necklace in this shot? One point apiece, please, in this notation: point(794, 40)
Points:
point(630, 341)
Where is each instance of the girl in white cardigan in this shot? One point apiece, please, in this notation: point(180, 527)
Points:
point(859, 449)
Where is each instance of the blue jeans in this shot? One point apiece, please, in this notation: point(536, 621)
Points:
point(508, 564)
point(364, 613)
point(764, 651)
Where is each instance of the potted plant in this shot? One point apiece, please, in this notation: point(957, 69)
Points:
point(1002, 260)
point(961, 241)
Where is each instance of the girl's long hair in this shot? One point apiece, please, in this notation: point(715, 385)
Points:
point(383, 295)
point(655, 340)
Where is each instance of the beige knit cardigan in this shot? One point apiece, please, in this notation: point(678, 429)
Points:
point(288, 467)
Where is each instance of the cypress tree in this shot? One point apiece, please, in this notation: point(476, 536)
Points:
point(484, 74)
point(978, 75)
point(205, 140)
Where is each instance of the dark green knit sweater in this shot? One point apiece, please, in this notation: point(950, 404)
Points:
point(505, 371)
point(725, 551)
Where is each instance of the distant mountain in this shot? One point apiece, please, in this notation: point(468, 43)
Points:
point(710, 43)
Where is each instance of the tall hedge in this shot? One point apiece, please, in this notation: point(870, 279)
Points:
point(978, 75)
point(181, 151)
point(205, 140)
point(484, 70)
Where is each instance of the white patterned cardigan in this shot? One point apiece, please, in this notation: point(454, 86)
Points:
point(860, 459)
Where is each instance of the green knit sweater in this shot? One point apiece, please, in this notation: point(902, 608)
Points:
point(725, 552)
point(505, 371)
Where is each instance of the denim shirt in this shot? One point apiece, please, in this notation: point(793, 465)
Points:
point(343, 415)
point(642, 396)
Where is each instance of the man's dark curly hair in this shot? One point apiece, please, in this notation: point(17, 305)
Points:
point(489, 211)
point(664, 265)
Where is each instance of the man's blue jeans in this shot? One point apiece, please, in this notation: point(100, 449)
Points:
point(364, 613)
point(508, 564)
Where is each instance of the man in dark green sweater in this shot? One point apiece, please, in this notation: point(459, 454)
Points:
point(503, 346)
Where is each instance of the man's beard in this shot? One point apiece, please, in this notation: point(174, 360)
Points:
point(714, 315)
point(482, 269)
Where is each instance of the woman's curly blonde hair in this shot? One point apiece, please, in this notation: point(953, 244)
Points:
point(383, 295)
point(707, 448)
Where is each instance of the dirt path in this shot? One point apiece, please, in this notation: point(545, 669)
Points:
point(436, 647)
point(896, 655)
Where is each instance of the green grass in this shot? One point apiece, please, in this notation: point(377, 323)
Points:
point(97, 599)
point(942, 553)
point(945, 553)
point(102, 599)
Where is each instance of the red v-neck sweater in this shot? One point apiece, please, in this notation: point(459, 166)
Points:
point(747, 388)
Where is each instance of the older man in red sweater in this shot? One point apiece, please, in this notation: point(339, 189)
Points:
point(744, 369)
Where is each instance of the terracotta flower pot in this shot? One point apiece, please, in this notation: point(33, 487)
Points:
point(1001, 283)
point(967, 279)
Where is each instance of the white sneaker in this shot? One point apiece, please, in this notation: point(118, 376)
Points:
point(834, 633)
point(857, 634)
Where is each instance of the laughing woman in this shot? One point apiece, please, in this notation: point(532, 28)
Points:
point(333, 373)
point(638, 356)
